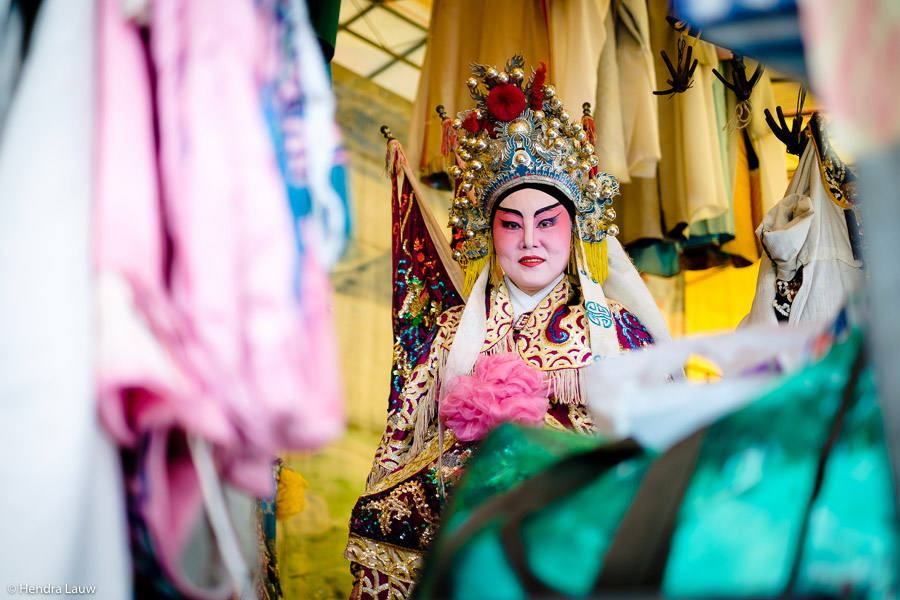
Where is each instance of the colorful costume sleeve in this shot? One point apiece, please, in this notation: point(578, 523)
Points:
point(419, 384)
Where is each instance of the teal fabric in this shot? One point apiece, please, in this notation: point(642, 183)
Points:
point(741, 519)
point(853, 543)
point(565, 539)
point(657, 258)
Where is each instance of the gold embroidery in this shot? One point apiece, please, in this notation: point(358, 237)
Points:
point(394, 507)
point(373, 583)
point(428, 455)
point(535, 343)
point(418, 392)
point(552, 423)
point(401, 563)
point(500, 319)
point(370, 587)
point(581, 419)
point(561, 358)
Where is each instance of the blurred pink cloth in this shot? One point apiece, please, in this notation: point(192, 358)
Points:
point(852, 50)
point(202, 327)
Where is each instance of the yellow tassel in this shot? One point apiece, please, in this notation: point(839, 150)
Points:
point(572, 268)
point(596, 259)
point(290, 499)
point(474, 267)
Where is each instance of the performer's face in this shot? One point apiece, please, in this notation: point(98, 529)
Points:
point(532, 238)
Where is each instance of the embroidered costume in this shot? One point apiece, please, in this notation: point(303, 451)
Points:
point(518, 135)
point(393, 522)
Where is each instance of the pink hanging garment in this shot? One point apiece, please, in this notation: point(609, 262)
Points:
point(212, 325)
point(852, 51)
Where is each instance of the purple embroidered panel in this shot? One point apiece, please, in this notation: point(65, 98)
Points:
point(422, 288)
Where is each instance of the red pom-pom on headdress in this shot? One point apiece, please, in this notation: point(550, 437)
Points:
point(506, 102)
point(471, 124)
point(537, 87)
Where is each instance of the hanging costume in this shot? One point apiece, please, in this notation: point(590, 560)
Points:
point(518, 134)
point(597, 51)
point(452, 43)
point(717, 176)
point(809, 268)
point(625, 112)
point(214, 212)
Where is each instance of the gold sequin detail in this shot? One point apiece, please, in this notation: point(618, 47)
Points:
point(581, 420)
point(428, 455)
point(371, 587)
point(394, 508)
point(400, 563)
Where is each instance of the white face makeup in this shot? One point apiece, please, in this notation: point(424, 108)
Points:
point(532, 238)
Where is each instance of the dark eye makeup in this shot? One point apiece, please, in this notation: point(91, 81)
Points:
point(548, 222)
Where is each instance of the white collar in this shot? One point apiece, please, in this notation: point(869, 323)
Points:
point(523, 302)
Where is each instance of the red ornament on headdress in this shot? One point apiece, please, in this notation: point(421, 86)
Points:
point(471, 124)
point(506, 102)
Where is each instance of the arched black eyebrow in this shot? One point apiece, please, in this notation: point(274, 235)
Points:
point(536, 213)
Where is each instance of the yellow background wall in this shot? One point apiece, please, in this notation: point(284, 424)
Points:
point(717, 299)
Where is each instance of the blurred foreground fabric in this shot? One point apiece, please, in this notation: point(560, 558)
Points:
point(790, 495)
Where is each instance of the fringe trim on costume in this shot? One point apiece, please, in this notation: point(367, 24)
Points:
point(503, 346)
point(597, 260)
point(378, 473)
point(392, 158)
point(567, 386)
point(423, 418)
point(448, 138)
point(427, 409)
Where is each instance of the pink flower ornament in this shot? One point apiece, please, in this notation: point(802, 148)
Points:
point(502, 388)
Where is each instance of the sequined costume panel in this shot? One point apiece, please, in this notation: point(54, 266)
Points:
point(397, 437)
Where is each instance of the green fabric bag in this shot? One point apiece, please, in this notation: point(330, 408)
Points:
point(722, 514)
